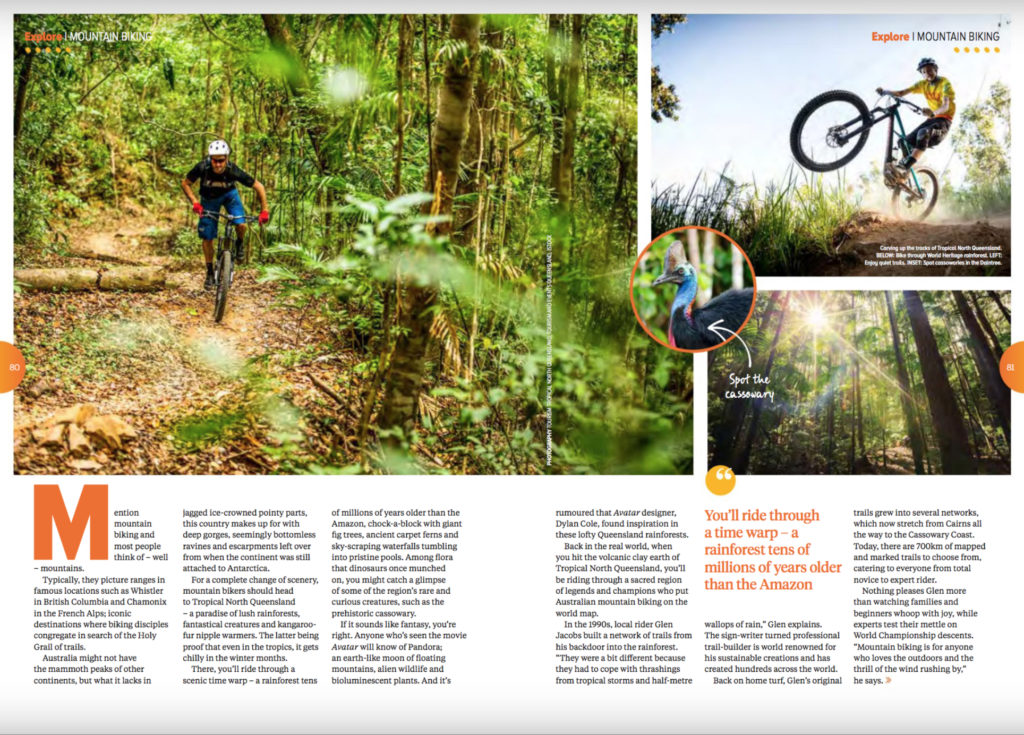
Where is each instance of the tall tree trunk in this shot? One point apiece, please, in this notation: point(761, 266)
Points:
point(996, 346)
point(505, 185)
point(999, 302)
point(479, 135)
point(969, 398)
point(405, 381)
point(862, 453)
point(405, 33)
point(881, 436)
point(708, 264)
point(853, 424)
point(997, 391)
point(24, 75)
point(857, 439)
point(948, 424)
point(831, 414)
point(917, 389)
point(693, 253)
point(225, 102)
point(572, 108)
point(563, 95)
point(113, 170)
point(748, 444)
point(453, 104)
point(737, 268)
point(427, 97)
point(555, 78)
point(562, 73)
point(913, 428)
point(478, 243)
point(623, 203)
point(280, 36)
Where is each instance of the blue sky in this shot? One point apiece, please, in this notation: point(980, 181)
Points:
point(742, 78)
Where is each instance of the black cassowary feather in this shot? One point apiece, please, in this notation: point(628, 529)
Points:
point(694, 333)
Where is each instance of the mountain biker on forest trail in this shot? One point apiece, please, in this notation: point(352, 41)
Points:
point(217, 189)
point(941, 99)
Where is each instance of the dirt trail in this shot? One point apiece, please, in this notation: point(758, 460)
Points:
point(158, 361)
point(871, 237)
point(897, 460)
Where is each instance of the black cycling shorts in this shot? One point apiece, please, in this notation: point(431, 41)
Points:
point(929, 133)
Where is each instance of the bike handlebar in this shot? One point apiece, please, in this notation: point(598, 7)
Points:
point(916, 108)
point(900, 101)
point(231, 218)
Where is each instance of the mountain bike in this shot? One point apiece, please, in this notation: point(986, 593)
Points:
point(831, 129)
point(223, 265)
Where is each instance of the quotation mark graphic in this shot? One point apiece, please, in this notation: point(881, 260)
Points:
point(720, 479)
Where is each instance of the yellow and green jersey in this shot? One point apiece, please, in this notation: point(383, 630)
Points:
point(934, 92)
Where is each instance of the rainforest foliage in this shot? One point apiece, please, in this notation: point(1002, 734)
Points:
point(864, 383)
point(434, 182)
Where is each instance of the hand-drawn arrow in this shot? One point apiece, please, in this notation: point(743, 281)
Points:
point(719, 329)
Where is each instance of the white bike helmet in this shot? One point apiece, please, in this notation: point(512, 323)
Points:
point(219, 148)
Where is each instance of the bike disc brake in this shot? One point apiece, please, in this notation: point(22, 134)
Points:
point(835, 137)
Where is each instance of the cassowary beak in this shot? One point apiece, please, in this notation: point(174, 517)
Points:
point(663, 278)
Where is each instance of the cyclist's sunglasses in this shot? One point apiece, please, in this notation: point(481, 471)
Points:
point(219, 159)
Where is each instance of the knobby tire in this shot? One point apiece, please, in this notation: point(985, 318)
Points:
point(900, 209)
point(223, 284)
point(835, 95)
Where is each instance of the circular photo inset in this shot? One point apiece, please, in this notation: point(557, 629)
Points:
point(693, 289)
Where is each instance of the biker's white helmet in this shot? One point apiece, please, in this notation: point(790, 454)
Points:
point(219, 148)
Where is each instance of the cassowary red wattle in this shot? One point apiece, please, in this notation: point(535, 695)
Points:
point(689, 328)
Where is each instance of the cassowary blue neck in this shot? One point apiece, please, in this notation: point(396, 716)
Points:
point(684, 298)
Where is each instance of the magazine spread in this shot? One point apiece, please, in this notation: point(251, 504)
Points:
point(390, 370)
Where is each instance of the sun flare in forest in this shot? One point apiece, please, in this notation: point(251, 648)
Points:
point(816, 318)
point(858, 377)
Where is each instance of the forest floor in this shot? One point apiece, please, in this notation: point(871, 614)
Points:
point(870, 234)
point(199, 397)
point(899, 460)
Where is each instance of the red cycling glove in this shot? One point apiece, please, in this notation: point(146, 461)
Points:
point(197, 207)
point(264, 217)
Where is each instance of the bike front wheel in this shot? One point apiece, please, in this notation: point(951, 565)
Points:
point(223, 284)
point(830, 130)
point(908, 202)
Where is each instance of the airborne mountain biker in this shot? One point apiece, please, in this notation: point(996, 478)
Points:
point(941, 99)
point(217, 189)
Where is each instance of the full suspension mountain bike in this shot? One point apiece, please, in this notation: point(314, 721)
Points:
point(831, 129)
point(223, 263)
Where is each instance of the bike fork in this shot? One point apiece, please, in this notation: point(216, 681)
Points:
point(888, 138)
point(224, 245)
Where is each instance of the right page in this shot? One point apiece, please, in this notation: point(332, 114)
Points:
point(874, 146)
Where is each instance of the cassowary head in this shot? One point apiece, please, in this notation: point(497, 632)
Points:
point(677, 269)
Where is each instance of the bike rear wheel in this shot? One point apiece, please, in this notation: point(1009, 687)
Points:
point(908, 203)
point(818, 136)
point(223, 284)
